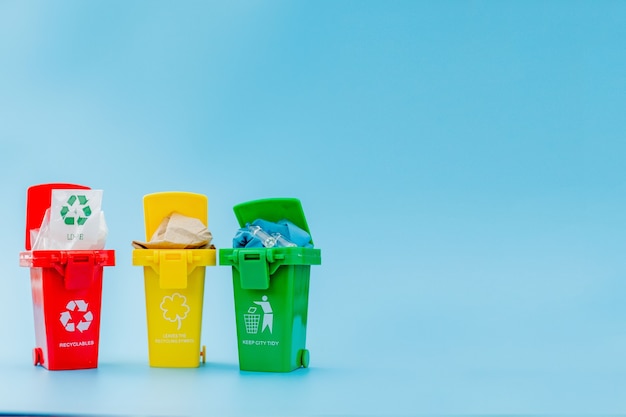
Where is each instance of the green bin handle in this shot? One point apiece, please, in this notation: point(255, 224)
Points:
point(254, 273)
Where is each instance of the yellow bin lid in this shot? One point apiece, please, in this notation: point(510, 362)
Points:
point(157, 206)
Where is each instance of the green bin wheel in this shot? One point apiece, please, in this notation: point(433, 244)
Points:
point(304, 358)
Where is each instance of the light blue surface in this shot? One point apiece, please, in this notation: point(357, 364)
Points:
point(460, 164)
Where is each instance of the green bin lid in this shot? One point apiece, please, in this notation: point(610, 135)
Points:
point(273, 210)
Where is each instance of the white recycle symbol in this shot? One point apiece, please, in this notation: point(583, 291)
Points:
point(66, 316)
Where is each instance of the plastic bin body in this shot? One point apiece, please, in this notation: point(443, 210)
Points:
point(271, 293)
point(174, 284)
point(67, 292)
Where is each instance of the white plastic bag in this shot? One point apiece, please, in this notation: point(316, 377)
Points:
point(74, 221)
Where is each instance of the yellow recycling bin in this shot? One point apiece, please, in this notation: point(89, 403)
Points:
point(174, 284)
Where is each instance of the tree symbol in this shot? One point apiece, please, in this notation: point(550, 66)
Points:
point(175, 308)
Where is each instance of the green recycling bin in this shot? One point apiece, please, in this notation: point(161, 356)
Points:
point(271, 291)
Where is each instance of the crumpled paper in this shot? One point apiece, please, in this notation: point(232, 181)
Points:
point(177, 231)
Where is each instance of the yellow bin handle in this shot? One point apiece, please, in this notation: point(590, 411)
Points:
point(173, 266)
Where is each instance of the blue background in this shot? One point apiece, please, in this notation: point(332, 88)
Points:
point(460, 164)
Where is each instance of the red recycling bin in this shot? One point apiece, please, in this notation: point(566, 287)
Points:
point(67, 292)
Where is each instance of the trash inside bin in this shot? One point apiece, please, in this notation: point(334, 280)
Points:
point(174, 257)
point(66, 284)
point(271, 284)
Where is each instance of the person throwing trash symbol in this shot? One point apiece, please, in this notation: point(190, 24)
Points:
point(268, 314)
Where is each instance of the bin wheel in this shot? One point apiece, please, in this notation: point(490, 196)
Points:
point(203, 354)
point(37, 356)
point(305, 358)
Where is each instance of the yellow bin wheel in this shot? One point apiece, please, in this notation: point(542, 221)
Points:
point(203, 354)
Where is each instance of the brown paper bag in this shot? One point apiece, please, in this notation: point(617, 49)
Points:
point(178, 232)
